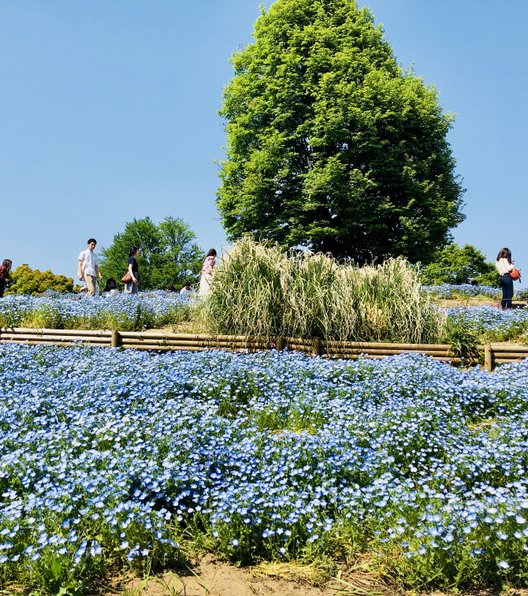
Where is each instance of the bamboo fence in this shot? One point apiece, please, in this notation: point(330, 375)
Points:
point(157, 340)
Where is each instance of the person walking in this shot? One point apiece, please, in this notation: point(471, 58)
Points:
point(207, 273)
point(131, 287)
point(88, 268)
point(5, 275)
point(504, 265)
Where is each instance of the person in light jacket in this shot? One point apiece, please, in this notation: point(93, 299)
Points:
point(207, 273)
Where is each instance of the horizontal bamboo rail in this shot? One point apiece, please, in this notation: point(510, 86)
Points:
point(502, 354)
point(157, 340)
point(56, 336)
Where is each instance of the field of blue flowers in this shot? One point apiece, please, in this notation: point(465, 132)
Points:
point(158, 309)
point(447, 291)
point(73, 311)
point(112, 458)
point(456, 291)
point(491, 324)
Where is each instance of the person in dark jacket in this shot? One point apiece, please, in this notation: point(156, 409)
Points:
point(5, 275)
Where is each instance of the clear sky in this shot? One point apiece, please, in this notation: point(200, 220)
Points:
point(109, 113)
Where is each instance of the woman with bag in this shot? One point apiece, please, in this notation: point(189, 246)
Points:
point(506, 270)
point(131, 278)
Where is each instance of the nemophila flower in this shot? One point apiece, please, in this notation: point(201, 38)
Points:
point(154, 440)
point(152, 309)
point(462, 290)
point(490, 320)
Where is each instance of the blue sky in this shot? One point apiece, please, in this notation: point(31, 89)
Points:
point(109, 113)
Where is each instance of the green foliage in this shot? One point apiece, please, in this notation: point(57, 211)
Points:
point(330, 144)
point(32, 281)
point(454, 265)
point(258, 290)
point(464, 341)
point(168, 257)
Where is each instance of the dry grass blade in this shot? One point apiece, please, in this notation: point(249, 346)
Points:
point(292, 571)
point(354, 588)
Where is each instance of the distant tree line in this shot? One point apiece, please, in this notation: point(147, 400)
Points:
point(25, 280)
point(460, 265)
point(169, 255)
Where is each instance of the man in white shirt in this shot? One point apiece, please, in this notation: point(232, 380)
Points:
point(88, 268)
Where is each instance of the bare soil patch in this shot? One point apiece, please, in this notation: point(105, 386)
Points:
point(211, 577)
point(478, 302)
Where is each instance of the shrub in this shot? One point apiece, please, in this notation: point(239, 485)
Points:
point(32, 281)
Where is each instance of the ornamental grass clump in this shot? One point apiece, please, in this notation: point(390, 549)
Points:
point(259, 290)
point(309, 281)
point(391, 305)
point(247, 292)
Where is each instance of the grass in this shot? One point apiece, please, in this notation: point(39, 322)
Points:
point(259, 290)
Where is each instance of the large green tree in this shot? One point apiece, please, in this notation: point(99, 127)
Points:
point(331, 145)
point(168, 255)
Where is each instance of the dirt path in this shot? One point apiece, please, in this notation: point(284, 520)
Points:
point(211, 577)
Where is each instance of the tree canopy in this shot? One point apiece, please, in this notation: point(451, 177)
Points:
point(168, 254)
point(25, 280)
point(331, 145)
point(455, 265)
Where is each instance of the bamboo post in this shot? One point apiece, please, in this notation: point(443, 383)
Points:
point(316, 346)
point(489, 359)
point(116, 339)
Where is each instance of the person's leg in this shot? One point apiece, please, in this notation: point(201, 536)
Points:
point(508, 292)
point(503, 299)
point(90, 282)
point(205, 282)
